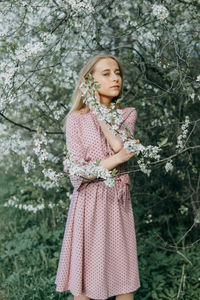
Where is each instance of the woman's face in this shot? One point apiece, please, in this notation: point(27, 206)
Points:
point(107, 74)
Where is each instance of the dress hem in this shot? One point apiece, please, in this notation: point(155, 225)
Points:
point(101, 298)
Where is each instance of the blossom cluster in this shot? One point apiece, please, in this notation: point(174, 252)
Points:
point(6, 77)
point(45, 184)
point(131, 146)
point(149, 219)
point(151, 152)
point(41, 153)
point(56, 111)
point(183, 135)
point(15, 202)
point(92, 168)
point(28, 164)
point(12, 145)
point(147, 152)
point(197, 218)
point(52, 175)
point(160, 11)
point(169, 166)
point(143, 167)
point(5, 101)
point(109, 115)
point(183, 209)
point(29, 50)
point(198, 78)
point(81, 6)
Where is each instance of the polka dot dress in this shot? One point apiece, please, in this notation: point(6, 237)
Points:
point(98, 257)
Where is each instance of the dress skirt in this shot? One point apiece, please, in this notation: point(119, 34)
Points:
point(98, 257)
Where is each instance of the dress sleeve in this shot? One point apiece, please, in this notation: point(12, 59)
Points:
point(75, 146)
point(130, 120)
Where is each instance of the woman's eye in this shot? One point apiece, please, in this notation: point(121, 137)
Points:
point(105, 74)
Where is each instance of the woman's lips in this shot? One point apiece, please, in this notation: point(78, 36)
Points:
point(115, 87)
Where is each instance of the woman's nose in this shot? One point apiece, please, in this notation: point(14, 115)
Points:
point(114, 76)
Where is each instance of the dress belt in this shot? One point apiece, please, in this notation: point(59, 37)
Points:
point(122, 183)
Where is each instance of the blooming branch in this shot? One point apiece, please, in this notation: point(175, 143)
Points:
point(113, 117)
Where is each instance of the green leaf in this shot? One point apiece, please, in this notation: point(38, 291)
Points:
point(114, 172)
point(97, 162)
point(162, 142)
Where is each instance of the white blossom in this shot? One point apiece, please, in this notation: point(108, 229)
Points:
point(76, 170)
point(181, 138)
point(123, 135)
point(102, 112)
point(149, 219)
point(109, 182)
point(7, 76)
point(152, 152)
point(183, 209)
point(81, 5)
point(58, 113)
point(198, 78)
point(45, 184)
point(197, 218)
point(15, 202)
point(143, 167)
point(51, 174)
point(160, 11)
point(39, 141)
point(88, 169)
point(131, 146)
point(29, 49)
point(169, 166)
point(28, 164)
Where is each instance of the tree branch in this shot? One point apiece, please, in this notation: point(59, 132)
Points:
point(27, 128)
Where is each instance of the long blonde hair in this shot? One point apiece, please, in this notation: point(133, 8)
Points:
point(77, 102)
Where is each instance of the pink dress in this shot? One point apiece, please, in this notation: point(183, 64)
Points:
point(98, 258)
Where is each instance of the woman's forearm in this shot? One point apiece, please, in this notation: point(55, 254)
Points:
point(113, 140)
point(109, 163)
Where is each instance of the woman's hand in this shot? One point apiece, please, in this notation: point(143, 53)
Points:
point(124, 155)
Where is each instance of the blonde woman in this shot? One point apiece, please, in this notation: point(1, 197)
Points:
point(98, 258)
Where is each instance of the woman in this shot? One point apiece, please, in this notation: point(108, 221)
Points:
point(99, 256)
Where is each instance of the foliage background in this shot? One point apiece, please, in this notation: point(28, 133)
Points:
point(43, 45)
